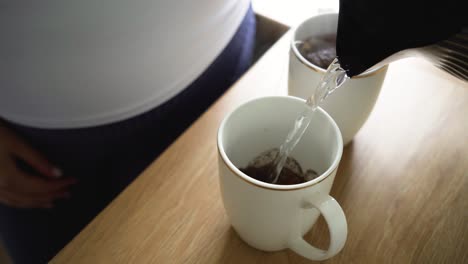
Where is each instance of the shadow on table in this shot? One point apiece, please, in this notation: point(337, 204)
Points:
point(237, 251)
point(268, 32)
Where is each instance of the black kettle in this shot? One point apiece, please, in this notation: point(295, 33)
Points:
point(374, 33)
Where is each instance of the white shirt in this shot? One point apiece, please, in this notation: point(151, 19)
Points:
point(69, 64)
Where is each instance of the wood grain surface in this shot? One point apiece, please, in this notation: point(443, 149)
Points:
point(402, 182)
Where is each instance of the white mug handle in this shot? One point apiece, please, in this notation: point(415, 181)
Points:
point(336, 221)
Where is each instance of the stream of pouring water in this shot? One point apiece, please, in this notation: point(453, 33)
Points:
point(333, 79)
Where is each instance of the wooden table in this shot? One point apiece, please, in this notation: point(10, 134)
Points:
point(402, 182)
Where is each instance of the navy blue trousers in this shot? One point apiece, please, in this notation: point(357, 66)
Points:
point(105, 159)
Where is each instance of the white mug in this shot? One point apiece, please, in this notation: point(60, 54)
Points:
point(349, 105)
point(273, 217)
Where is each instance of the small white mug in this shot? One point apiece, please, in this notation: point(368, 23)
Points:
point(351, 104)
point(273, 217)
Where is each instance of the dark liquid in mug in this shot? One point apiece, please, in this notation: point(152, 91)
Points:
point(261, 167)
point(319, 50)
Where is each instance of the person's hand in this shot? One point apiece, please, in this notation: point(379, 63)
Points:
point(23, 190)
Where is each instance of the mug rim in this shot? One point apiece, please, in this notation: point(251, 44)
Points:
point(278, 187)
point(314, 67)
